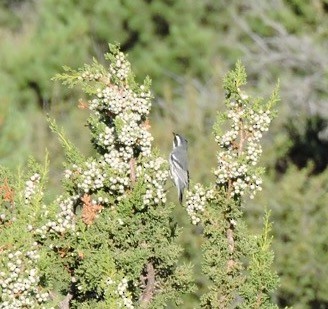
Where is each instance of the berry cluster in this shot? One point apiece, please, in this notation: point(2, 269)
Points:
point(92, 178)
point(119, 67)
point(241, 147)
point(89, 76)
point(31, 187)
point(63, 221)
point(155, 175)
point(120, 128)
point(196, 200)
point(106, 139)
point(122, 291)
point(19, 280)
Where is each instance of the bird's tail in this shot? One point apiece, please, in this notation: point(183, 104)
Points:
point(180, 193)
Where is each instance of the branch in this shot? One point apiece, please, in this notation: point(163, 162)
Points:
point(133, 171)
point(148, 292)
point(231, 242)
point(64, 304)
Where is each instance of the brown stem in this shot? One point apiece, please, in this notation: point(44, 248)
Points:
point(259, 300)
point(148, 292)
point(241, 137)
point(229, 188)
point(133, 171)
point(231, 247)
point(231, 242)
point(64, 304)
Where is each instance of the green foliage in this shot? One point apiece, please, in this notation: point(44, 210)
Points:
point(109, 240)
point(72, 154)
point(138, 237)
point(260, 282)
point(186, 48)
point(298, 203)
point(111, 231)
point(22, 258)
point(235, 79)
point(234, 260)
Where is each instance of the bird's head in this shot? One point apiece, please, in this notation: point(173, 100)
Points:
point(179, 140)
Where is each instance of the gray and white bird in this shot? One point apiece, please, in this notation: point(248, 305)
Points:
point(179, 164)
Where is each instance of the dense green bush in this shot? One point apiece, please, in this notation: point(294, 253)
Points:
point(110, 240)
point(299, 211)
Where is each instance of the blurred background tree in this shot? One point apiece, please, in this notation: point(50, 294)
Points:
point(186, 47)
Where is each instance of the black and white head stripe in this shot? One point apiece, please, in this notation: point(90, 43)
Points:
point(178, 140)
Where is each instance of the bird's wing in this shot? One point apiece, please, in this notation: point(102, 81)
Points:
point(180, 152)
point(180, 167)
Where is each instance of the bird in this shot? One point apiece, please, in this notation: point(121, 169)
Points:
point(178, 160)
